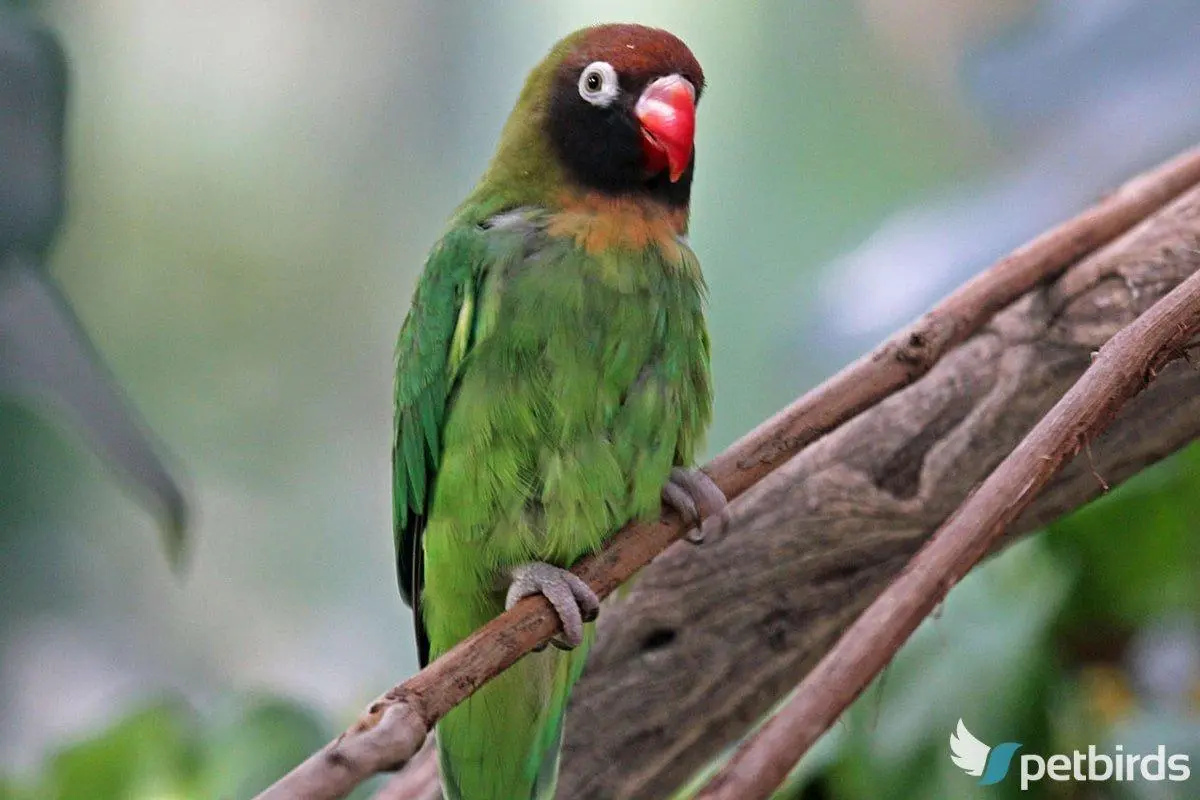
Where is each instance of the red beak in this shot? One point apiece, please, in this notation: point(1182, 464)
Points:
point(667, 112)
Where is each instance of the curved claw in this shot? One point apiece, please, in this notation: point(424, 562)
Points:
point(573, 600)
point(697, 499)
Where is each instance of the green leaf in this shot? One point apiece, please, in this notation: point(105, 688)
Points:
point(150, 754)
point(1135, 553)
point(253, 747)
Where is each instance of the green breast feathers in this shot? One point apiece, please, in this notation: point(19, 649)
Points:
point(545, 387)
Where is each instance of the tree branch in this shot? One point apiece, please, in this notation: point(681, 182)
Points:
point(397, 722)
point(1123, 367)
point(708, 639)
point(419, 780)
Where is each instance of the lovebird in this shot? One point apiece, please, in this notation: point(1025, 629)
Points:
point(552, 382)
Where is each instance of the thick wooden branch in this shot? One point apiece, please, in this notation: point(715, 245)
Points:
point(707, 640)
point(1125, 365)
point(395, 725)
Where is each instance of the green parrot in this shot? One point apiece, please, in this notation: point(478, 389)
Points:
point(552, 382)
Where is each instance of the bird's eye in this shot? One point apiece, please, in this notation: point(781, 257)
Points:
point(598, 83)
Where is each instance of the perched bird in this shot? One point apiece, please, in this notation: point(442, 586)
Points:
point(552, 381)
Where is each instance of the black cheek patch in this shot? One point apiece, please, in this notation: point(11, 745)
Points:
point(601, 147)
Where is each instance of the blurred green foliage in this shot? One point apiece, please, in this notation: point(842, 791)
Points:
point(168, 751)
point(1135, 553)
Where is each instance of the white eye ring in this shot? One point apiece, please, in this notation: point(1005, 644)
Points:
point(598, 84)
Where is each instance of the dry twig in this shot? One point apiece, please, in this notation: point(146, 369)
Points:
point(418, 780)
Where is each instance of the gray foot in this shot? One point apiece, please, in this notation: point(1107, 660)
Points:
point(573, 600)
point(697, 499)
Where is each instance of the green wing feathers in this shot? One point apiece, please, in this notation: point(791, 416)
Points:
point(432, 347)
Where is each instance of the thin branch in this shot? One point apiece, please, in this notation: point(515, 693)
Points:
point(1124, 366)
point(395, 724)
point(418, 780)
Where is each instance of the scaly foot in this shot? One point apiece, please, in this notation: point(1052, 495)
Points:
point(697, 499)
point(573, 600)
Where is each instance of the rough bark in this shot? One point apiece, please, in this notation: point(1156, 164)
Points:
point(707, 639)
point(1124, 366)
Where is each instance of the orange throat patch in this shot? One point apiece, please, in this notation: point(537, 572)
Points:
point(598, 223)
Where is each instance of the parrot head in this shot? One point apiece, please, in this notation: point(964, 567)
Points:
point(622, 108)
point(610, 110)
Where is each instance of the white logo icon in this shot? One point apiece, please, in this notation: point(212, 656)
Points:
point(968, 753)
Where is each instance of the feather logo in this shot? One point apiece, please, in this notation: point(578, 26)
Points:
point(989, 764)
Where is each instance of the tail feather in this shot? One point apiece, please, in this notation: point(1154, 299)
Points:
point(503, 742)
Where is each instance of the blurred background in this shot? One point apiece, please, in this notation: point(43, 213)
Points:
point(252, 187)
